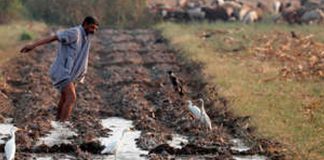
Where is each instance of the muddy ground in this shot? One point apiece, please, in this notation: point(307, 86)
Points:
point(127, 77)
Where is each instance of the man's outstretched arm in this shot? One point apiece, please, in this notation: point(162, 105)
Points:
point(30, 47)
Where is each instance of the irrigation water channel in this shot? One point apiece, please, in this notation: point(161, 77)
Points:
point(127, 149)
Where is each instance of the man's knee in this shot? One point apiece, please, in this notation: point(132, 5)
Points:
point(69, 94)
point(71, 98)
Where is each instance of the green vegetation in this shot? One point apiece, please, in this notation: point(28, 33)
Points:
point(288, 110)
point(14, 13)
point(10, 10)
point(112, 13)
point(25, 35)
point(12, 34)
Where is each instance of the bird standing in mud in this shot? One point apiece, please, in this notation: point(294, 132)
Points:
point(177, 85)
point(195, 111)
point(112, 148)
point(10, 147)
point(204, 118)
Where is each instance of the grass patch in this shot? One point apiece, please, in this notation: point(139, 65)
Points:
point(290, 111)
point(25, 36)
point(15, 34)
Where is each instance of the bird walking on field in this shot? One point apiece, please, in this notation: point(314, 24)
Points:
point(112, 148)
point(194, 110)
point(204, 118)
point(177, 84)
point(10, 147)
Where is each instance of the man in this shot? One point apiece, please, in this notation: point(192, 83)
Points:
point(71, 62)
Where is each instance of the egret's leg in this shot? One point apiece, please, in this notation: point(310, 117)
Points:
point(70, 99)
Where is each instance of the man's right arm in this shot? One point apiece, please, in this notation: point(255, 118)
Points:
point(47, 40)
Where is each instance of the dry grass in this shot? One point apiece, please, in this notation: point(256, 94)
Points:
point(288, 110)
point(10, 42)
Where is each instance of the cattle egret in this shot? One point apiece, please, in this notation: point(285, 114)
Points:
point(177, 85)
point(204, 118)
point(113, 147)
point(195, 111)
point(10, 147)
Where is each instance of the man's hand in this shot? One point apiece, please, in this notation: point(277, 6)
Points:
point(30, 47)
point(27, 48)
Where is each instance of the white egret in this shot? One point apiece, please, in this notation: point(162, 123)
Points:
point(112, 147)
point(10, 147)
point(195, 111)
point(204, 118)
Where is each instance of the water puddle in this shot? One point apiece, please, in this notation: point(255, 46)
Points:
point(127, 144)
point(239, 145)
point(178, 141)
point(60, 134)
point(5, 130)
point(43, 158)
point(254, 157)
point(57, 157)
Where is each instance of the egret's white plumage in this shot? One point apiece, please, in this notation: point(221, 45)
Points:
point(204, 118)
point(112, 147)
point(10, 147)
point(194, 110)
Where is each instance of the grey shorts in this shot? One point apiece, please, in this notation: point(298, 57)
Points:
point(60, 85)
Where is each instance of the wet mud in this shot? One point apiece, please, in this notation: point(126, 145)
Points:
point(127, 78)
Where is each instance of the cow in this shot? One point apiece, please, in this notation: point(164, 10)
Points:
point(214, 14)
point(277, 7)
point(312, 16)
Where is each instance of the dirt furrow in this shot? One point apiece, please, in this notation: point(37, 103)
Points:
point(127, 78)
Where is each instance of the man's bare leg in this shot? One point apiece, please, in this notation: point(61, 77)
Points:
point(69, 101)
point(60, 106)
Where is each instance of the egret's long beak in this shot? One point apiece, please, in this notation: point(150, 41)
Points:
point(20, 129)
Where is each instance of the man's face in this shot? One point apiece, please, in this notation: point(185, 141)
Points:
point(90, 28)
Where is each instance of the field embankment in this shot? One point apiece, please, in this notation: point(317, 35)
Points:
point(273, 73)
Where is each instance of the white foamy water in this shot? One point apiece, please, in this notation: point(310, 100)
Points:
point(44, 158)
point(5, 130)
point(127, 148)
point(57, 157)
point(254, 157)
point(178, 140)
point(60, 134)
point(239, 145)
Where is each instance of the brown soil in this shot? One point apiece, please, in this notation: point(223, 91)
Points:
point(127, 77)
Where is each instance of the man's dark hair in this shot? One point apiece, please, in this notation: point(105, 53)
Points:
point(90, 20)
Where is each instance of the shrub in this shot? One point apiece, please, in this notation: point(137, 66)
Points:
point(9, 10)
point(24, 36)
point(120, 13)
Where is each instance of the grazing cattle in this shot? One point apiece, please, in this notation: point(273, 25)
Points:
point(248, 14)
point(312, 16)
point(174, 15)
point(196, 13)
point(292, 16)
point(183, 3)
point(217, 2)
point(277, 7)
point(214, 14)
point(291, 13)
point(241, 12)
point(250, 17)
